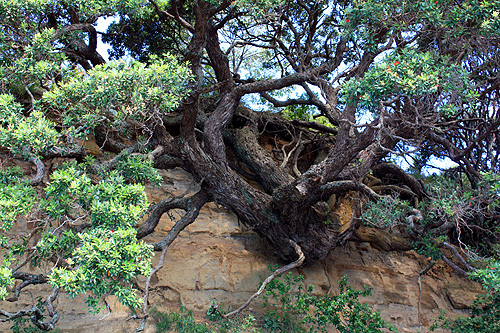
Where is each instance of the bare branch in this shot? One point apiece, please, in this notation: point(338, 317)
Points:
point(349, 185)
point(198, 200)
point(314, 125)
point(28, 279)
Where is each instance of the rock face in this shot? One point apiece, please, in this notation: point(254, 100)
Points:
point(216, 259)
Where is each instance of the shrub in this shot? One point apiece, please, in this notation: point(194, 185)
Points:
point(294, 305)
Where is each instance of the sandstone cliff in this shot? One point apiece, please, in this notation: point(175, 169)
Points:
point(216, 259)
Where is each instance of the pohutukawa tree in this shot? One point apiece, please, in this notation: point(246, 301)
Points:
point(348, 86)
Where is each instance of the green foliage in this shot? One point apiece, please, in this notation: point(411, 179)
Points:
point(121, 90)
point(86, 220)
point(24, 325)
point(259, 7)
point(453, 203)
point(110, 203)
point(304, 112)
point(490, 191)
point(48, 103)
point(37, 61)
point(106, 258)
point(396, 16)
point(448, 200)
point(386, 212)
point(16, 198)
point(6, 279)
point(484, 318)
point(105, 263)
point(301, 112)
point(10, 175)
point(49, 245)
point(428, 246)
point(408, 73)
point(488, 276)
point(182, 322)
point(344, 311)
point(24, 136)
point(19, 10)
point(293, 308)
point(147, 35)
point(485, 313)
point(235, 324)
point(138, 169)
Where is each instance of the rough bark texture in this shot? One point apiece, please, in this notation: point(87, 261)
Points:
point(285, 206)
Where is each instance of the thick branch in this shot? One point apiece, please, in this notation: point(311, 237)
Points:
point(293, 101)
point(167, 204)
point(195, 203)
point(343, 186)
point(246, 146)
point(90, 50)
point(40, 168)
point(28, 279)
point(407, 179)
point(314, 125)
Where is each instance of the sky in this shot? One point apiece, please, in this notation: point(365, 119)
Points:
point(102, 26)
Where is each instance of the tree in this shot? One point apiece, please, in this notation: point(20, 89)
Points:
point(375, 79)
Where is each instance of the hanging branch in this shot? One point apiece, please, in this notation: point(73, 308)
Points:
point(196, 202)
point(36, 315)
point(40, 169)
point(28, 279)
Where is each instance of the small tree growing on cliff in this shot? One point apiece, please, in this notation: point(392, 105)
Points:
point(388, 78)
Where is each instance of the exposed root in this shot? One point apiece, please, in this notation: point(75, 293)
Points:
point(454, 266)
point(459, 256)
point(277, 273)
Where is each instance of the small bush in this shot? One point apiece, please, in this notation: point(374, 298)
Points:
point(484, 318)
point(295, 306)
